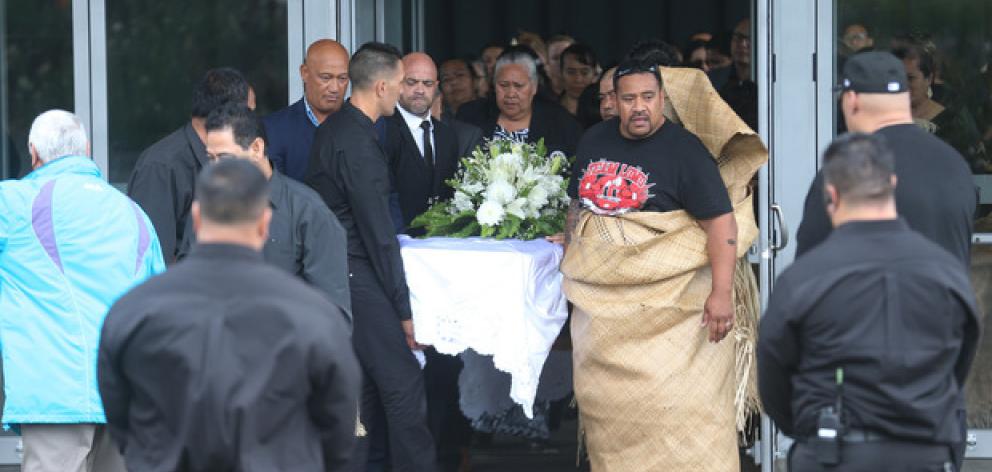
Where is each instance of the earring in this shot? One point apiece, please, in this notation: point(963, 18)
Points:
point(929, 92)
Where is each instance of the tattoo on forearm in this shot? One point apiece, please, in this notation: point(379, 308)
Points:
point(571, 220)
point(732, 242)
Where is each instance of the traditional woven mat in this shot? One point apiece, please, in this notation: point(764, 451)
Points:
point(653, 393)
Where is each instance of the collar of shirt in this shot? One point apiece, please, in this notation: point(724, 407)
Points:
point(65, 165)
point(413, 122)
point(225, 251)
point(313, 118)
point(868, 227)
point(198, 147)
point(277, 190)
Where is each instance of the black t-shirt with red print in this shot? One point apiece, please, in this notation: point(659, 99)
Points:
point(667, 171)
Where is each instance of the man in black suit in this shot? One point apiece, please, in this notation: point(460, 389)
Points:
point(423, 153)
point(350, 172)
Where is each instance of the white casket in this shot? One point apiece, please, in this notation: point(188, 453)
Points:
point(499, 298)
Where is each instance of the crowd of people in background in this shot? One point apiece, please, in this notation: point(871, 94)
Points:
point(310, 365)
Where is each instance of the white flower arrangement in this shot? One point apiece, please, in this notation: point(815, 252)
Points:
point(505, 189)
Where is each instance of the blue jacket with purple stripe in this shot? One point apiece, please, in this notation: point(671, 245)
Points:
point(70, 245)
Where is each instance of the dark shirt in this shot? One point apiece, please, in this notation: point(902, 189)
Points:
point(227, 363)
point(935, 193)
point(469, 136)
point(305, 239)
point(289, 136)
point(895, 311)
point(742, 96)
point(667, 171)
point(350, 172)
point(163, 183)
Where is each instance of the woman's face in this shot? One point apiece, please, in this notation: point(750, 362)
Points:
point(698, 59)
point(514, 91)
point(577, 76)
point(919, 84)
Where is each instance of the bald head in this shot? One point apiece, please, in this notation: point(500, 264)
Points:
point(868, 112)
point(419, 84)
point(325, 77)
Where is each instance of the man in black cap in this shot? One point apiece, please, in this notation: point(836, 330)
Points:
point(867, 341)
point(936, 193)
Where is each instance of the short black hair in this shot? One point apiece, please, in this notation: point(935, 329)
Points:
point(582, 53)
point(636, 66)
point(587, 110)
point(860, 166)
point(370, 62)
point(654, 51)
point(245, 125)
point(217, 87)
point(232, 191)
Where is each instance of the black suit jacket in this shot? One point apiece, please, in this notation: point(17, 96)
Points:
point(411, 177)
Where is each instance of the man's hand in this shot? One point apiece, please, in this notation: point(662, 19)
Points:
point(410, 339)
point(557, 238)
point(718, 314)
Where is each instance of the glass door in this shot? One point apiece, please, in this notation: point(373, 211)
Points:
point(946, 48)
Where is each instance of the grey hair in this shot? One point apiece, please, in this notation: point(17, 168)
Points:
point(57, 133)
point(519, 58)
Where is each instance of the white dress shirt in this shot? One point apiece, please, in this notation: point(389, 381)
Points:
point(413, 122)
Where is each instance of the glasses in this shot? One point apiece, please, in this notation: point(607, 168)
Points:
point(637, 70)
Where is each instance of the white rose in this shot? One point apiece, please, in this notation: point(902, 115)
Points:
point(490, 213)
point(538, 197)
point(462, 202)
point(473, 188)
point(516, 208)
point(530, 175)
point(511, 162)
point(500, 191)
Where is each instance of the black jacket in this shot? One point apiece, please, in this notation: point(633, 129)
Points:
point(350, 172)
point(414, 181)
point(895, 311)
point(935, 193)
point(163, 182)
point(469, 136)
point(560, 130)
point(305, 239)
point(227, 363)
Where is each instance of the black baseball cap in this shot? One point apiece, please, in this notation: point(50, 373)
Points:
point(874, 72)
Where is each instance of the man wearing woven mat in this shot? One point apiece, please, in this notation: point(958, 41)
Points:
point(868, 338)
point(653, 243)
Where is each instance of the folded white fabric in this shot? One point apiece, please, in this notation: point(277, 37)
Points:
point(499, 298)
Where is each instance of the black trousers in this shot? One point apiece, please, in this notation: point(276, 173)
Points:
point(881, 456)
point(450, 428)
point(393, 384)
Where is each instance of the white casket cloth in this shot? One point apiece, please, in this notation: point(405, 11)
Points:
point(499, 298)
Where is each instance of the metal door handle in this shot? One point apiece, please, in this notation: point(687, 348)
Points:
point(783, 239)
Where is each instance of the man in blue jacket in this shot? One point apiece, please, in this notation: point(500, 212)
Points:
point(70, 245)
point(290, 131)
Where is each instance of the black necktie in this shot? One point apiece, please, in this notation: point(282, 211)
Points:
point(428, 149)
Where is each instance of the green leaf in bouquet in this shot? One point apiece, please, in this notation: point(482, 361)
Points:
point(471, 229)
point(487, 231)
point(510, 227)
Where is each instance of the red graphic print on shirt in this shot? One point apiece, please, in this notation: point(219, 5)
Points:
point(613, 188)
